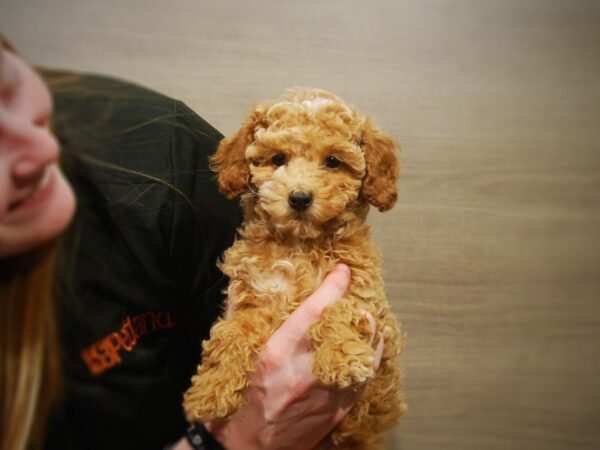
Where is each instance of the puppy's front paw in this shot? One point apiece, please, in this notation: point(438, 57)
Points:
point(343, 363)
point(343, 354)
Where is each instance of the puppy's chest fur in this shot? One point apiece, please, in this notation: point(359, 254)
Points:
point(279, 277)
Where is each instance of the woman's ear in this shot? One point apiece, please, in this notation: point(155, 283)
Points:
point(229, 161)
point(379, 184)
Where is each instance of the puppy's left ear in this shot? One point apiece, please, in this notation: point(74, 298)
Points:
point(379, 184)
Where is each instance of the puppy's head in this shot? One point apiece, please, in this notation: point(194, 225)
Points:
point(307, 162)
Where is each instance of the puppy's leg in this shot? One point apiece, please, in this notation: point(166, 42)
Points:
point(227, 361)
point(343, 345)
point(379, 409)
point(380, 406)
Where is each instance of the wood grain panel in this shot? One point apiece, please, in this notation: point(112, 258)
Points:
point(492, 256)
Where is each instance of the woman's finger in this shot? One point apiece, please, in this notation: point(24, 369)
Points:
point(294, 329)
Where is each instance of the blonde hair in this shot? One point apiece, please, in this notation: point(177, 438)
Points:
point(29, 357)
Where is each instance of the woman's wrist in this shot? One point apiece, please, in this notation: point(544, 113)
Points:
point(197, 437)
point(201, 439)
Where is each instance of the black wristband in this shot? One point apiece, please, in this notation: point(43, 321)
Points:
point(200, 439)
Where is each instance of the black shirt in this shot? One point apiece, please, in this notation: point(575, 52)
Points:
point(138, 286)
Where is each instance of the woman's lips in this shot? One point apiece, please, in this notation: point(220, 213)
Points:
point(31, 195)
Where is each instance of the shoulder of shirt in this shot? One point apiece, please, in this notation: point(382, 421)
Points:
point(117, 135)
point(122, 124)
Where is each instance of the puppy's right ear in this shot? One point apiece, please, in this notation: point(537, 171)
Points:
point(230, 159)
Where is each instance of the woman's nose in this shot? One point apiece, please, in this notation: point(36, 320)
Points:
point(33, 145)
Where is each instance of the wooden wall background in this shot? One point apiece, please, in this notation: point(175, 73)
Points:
point(492, 256)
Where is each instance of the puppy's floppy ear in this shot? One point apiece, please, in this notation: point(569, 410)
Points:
point(379, 184)
point(229, 161)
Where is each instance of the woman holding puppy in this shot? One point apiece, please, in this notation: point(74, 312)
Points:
point(110, 229)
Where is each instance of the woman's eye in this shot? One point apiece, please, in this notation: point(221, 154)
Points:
point(279, 160)
point(332, 162)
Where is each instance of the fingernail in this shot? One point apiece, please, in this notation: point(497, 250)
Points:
point(342, 268)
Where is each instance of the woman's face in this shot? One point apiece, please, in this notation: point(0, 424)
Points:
point(36, 202)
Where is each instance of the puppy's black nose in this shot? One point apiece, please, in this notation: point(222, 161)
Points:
point(300, 200)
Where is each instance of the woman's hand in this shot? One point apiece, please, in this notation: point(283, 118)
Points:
point(285, 407)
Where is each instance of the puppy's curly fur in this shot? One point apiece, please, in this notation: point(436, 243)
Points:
point(307, 167)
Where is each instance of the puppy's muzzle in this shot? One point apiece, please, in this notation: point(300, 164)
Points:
point(299, 200)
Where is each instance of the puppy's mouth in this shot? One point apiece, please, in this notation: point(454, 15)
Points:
point(301, 219)
point(298, 210)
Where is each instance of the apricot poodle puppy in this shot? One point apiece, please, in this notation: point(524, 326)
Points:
point(306, 167)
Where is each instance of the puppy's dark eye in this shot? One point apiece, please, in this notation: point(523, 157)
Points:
point(279, 159)
point(332, 162)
